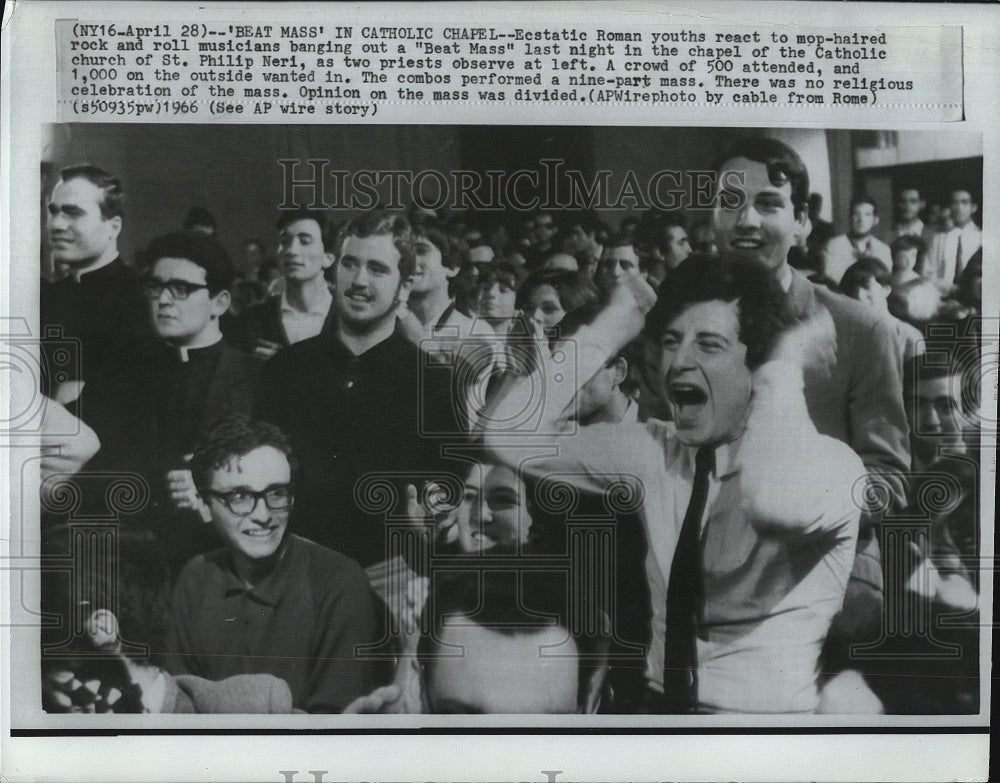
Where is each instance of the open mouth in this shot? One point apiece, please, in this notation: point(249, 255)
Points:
point(686, 394)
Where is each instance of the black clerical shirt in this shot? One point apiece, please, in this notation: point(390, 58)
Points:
point(103, 311)
point(356, 421)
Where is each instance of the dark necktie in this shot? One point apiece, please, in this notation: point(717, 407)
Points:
point(958, 260)
point(684, 598)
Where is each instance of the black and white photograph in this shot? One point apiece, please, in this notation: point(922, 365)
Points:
point(524, 420)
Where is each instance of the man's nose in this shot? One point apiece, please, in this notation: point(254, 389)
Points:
point(748, 217)
point(165, 296)
point(684, 355)
point(260, 513)
point(57, 221)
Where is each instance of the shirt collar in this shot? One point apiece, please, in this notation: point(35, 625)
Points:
point(91, 271)
point(210, 351)
point(725, 459)
point(273, 586)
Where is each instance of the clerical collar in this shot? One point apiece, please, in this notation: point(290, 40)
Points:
point(186, 354)
point(76, 274)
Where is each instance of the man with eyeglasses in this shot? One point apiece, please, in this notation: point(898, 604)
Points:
point(148, 416)
point(269, 602)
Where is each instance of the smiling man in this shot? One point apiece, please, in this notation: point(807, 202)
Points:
point(269, 602)
point(96, 298)
point(760, 213)
point(148, 415)
point(747, 565)
point(360, 398)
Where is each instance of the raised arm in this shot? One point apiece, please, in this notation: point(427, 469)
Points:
point(796, 482)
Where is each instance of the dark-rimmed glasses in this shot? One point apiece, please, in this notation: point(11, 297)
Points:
point(179, 289)
point(242, 502)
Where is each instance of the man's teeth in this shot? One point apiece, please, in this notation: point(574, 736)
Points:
point(687, 394)
point(258, 533)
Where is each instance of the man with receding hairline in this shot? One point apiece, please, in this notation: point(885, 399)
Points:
point(97, 300)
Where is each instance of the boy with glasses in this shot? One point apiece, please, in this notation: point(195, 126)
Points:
point(269, 602)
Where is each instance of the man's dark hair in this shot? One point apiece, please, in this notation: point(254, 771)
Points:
point(574, 289)
point(908, 242)
point(860, 274)
point(319, 216)
point(454, 250)
point(502, 272)
point(782, 162)
point(763, 307)
point(113, 202)
point(199, 249)
point(620, 240)
point(654, 225)
point(382, 222)
point(863, 198)
point(199, 216)
point(235, 435)
point(509, 598)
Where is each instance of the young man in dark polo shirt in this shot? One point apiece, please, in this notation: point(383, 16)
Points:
point(365, 409)
point(270, 602)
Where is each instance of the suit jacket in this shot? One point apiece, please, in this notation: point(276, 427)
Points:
point(840, 253)
point(861, 404)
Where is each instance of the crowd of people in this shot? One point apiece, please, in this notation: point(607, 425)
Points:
point(521, 463)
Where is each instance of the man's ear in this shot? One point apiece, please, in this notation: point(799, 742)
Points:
point(451, 271)
point(621, 370)
point(875, 222)
point(116, 226)
point(403, 294)
point(597, 670)
point(803, 224)
point(220, 302)
point(328, 259)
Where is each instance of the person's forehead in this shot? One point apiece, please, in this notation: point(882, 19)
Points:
point(961, 196)
point(756, 177)
point(864, 207)
point(179, 269)
point(302, 226)
point(492, 672)
point(543, 292)
point(500, 477)
point(621, 253)
point(379, 247)
point(264, 465)
point(943, 386)
point(909, 194)
point(78, 191)
point(715, 315)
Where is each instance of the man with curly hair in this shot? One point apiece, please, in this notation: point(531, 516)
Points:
point(747, 565)
point(269, 602)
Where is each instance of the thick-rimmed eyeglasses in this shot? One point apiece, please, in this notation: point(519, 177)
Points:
point(243, 501)
point(179, 289)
